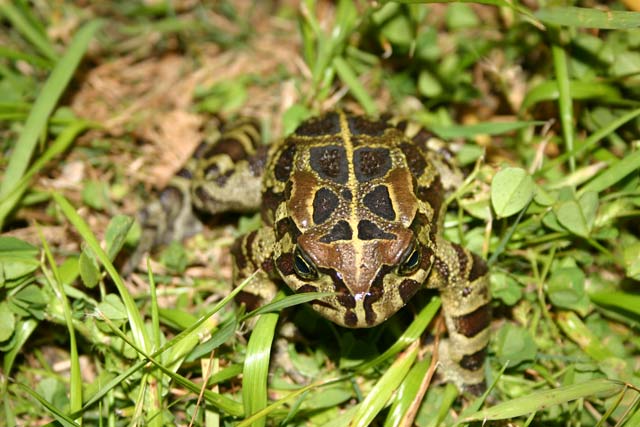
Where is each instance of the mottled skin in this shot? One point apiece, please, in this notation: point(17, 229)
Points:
point(352, 206)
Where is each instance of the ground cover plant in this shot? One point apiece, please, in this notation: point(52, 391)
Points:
point(102, 102)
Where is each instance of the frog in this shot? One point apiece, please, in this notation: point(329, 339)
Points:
point(350, 205)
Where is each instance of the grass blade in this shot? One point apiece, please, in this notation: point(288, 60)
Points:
point(565, 102)
point(385, 387)
point(256, 366)
point(581, 17)
point(546, 398)
point(62, 142)
point(75, 380)
point(348, 76)
point(623, 300)
point(34, 35)
point(43, 107)
point(410, 335)
point(614, 173)
point(140, 335)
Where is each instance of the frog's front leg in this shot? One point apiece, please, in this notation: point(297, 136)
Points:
point(253, 253)
point(224, 174)
point(462, 278)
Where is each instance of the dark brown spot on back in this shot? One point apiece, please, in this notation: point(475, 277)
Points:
point(340, 231)
point(370, 163)
point(367, 230)
point(415, 160)
point(346, 194)
point(420, 139)
point(330, 162)
point(433, 195)
point(473, 323)
point(324, 203)
point(378, 201)
point(359, 125)
point(284, 164)
point(324, 125)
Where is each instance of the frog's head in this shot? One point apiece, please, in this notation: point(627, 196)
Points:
point(353, 224)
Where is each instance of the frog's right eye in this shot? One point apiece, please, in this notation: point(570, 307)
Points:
point(411, 261)
point(303, 266)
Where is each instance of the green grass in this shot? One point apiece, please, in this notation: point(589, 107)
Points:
point(545, 102)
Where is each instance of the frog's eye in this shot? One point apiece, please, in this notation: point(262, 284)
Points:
point(303, 266)
point(411, 261)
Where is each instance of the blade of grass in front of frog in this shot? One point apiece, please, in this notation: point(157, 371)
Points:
point(256, 365)
point(410, 335)
point(385, 387)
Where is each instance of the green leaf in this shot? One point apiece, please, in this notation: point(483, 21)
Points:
point(632, 260)
point(505, 288)
point(116, 234)
point(515, 345)
point(17, 258)
point(588, 202)
point(113, 308)
point(95, 194)
point(428, 84)
point(511, 191)
point(460, 16)
point(175, 257)
point(7, 322)
point(566, 289)
point(589, 18)
point(570, 216)
point(29, 300)
point(89, 269)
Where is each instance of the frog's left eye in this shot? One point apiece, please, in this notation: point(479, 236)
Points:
point(411, 261)
point(303, 266)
